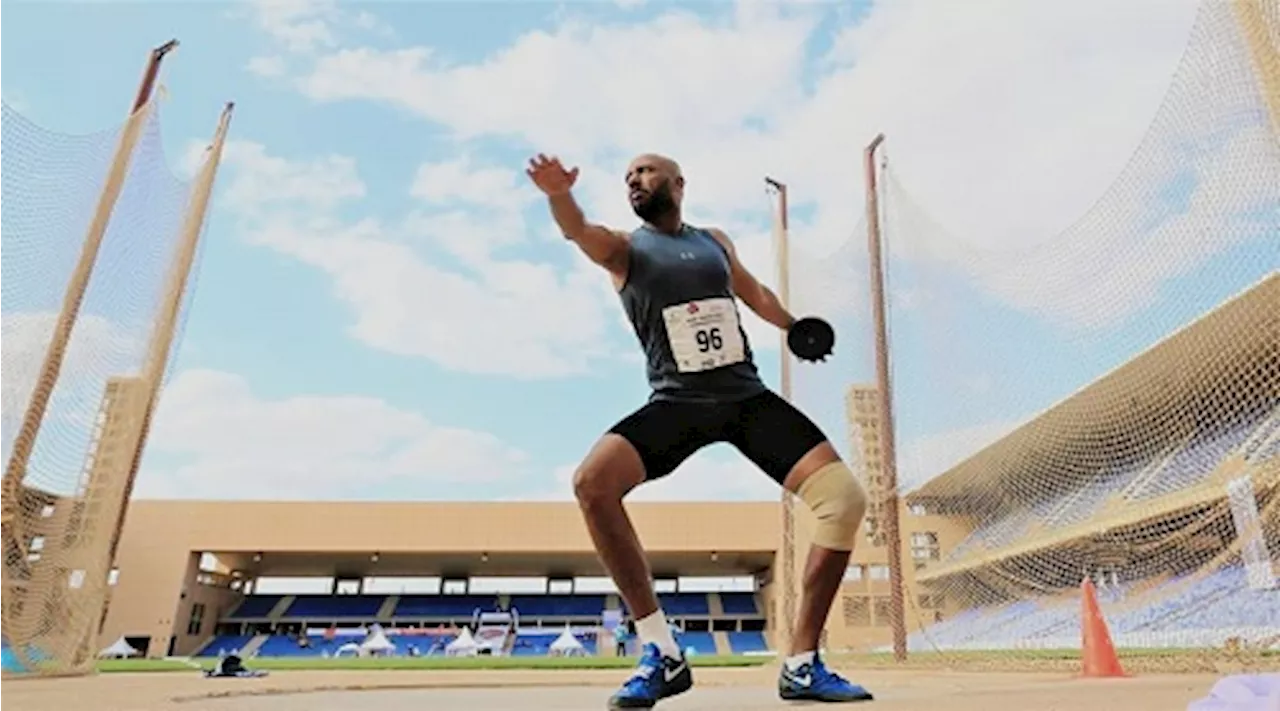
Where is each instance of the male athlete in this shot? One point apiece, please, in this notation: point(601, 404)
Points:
point(678, 284)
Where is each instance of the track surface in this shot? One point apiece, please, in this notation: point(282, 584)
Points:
point(716, 689)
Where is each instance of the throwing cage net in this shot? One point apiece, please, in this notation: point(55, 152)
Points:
point(98, 238)
point(1087, 416)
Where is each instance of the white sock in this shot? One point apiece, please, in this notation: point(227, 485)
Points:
point(796, 661)
point(654, 628)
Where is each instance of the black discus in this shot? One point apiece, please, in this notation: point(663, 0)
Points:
point(811, 339)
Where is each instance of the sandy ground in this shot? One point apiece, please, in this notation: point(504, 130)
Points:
point(718, 689)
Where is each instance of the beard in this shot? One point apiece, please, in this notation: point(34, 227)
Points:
point(658, 203)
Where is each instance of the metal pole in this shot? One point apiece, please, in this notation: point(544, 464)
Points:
point(73, 298)
point(1253, 22)
point(893, 540)
point(788, 500)
point(158, 350)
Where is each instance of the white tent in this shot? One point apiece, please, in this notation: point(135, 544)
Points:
point(348, 648)
point(377, 643)
point(118, 649)
point(566, 645)
point(463, 646)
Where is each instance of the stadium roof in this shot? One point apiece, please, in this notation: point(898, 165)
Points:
point(473, 539)
point(1237, 337)
point(468, 565)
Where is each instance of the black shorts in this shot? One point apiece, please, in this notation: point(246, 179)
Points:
point(770, 431)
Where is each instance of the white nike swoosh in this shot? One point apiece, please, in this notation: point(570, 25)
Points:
point(670, 674)
point(802, 680)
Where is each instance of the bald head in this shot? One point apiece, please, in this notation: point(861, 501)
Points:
point(655, 186)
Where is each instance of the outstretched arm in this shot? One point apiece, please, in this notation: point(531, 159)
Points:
point(604, 246)
point(758, 297)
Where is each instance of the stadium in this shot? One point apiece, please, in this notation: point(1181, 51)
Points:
point(1182, 563)
point(1125, 534)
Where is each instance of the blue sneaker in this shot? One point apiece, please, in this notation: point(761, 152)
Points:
point(815, 682)
point(657, 677)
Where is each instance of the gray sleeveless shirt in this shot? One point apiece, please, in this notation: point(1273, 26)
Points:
point(679, 296)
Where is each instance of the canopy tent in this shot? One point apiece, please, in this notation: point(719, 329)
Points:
point(377, 643)
point(348, 648)
point(566, 645)
point(464, 645)
point(118, 649)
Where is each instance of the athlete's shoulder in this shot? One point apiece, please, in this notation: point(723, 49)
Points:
point(720, 236)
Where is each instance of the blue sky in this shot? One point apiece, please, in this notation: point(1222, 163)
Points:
point(383, 309)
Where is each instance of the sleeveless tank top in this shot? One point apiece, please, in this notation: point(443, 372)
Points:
point(679, 297)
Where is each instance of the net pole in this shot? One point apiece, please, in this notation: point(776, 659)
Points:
point(893, 536)
point(77, 285)
point(780, 227)
point(1255, 27)
point(161, 342)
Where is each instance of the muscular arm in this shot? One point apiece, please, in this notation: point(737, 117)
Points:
point(758, 297)
point(602, 245)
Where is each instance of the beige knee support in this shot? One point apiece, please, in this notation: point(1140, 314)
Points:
point(839, 502)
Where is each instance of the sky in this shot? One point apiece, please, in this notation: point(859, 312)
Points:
point(383, 309)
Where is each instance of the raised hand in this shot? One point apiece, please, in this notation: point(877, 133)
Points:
point(550, 176)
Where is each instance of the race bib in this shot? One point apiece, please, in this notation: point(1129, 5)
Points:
point(704, 334)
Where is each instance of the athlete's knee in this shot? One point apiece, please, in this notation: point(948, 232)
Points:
point(839, 501)
point(591, 486)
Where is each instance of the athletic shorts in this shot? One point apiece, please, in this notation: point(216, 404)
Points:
point(770, 431)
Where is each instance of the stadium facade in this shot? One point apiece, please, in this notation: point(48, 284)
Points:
point(164, 601)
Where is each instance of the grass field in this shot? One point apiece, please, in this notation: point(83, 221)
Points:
point(425, 663)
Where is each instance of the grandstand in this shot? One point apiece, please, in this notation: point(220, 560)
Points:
point(1159, 480)
point(202, 563)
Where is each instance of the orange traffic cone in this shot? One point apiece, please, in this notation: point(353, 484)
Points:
point(1098, 654)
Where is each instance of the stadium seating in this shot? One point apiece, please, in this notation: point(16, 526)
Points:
point(255, 607)
point(1183, 611)
point(452, 606)
point(533, 644)
point(702, 642)
point(1139, 481)
point(334, 606)
point(684, 604)
point(320, 610)
point(558, 605)
point(747, 642)
point(738, 603)
point(538, 643)
point(224, 644)
point(1196, 461)
point(680, 604)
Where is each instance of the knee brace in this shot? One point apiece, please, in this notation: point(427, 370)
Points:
point(839, 502)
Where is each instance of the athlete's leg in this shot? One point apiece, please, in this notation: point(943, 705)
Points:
point(646, 445)
point(610, 471)
point(792, 450)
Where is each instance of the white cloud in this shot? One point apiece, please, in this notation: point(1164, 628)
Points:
point(495, 315)
point(464, 181)
point(215, 438)
point(99, 348)
point(1007, 124)
point(922, 458)
point(299, 25)
point(94, 343)
point(267, 66)
point(262, 182)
